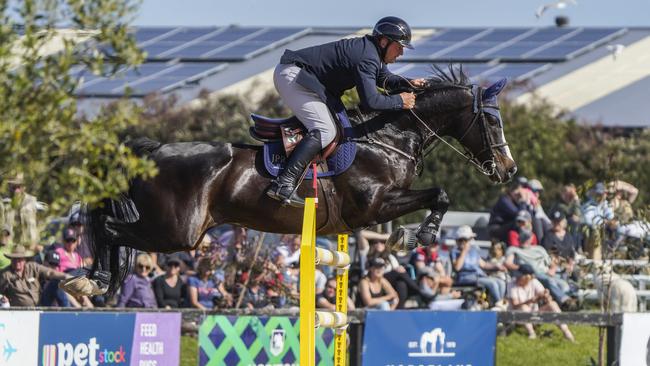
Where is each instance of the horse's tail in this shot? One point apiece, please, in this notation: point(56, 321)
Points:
point(108, 253)
point(143, 145)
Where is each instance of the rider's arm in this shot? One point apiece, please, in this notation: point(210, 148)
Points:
point(366, 81)
point(390, 81)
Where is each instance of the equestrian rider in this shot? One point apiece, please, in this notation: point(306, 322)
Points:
point(312, 80)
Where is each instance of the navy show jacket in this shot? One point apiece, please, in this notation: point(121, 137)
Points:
point(332, 68)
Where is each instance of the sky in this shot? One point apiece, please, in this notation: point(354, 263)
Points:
point(364, 13)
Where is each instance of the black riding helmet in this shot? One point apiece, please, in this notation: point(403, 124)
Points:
point(395, 29)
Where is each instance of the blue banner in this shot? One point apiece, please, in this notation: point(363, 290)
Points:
point(429, 338)
point(68, 339)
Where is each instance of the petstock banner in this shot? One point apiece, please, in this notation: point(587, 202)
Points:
point(454, 338)
point(98, 339)
point(635, 340)
point(18, 341)
point(258, 340)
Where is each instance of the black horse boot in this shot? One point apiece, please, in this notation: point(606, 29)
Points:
point(283, 188)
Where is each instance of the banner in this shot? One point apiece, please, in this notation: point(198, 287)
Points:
point(18, 337)
point(253, 340)
point(124, 339)
point(635, 340)
point(457, 338)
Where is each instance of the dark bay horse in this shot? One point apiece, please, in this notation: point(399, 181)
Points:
point(203, 184)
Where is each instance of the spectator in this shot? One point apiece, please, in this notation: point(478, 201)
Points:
point(364, 237)
point(327, 299)
point(430, 256)
point(524, 225)
point(375, 291)
point(52, 294)
point(169, 288)
point(21, 281)
point(622, 194)
point(136, 290)
point(202, 289)
point(537, 257)
point(69, 258)
point(290, 250)
point(505, 210)
point(5, 245)
point(527, 294)
point(497, 258)
point(396, 274)
point(597, 214)
point(255, 296)
point(469, 266)
point(540, 221)
point(76, 223)
point(557, 240)
point(569, 205)
point(18, 211)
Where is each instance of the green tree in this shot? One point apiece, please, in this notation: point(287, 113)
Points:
point(44, 44)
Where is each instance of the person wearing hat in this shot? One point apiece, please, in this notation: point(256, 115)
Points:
point(540, 219)
point(505, 210)
point(169, 288)
point(596, 214)
point(526, 293)
point(470, 267)
point(375, 291)
point(18, 211)
point(557, 239)
point(70, 259)
point(524, 224)
point(21, 281)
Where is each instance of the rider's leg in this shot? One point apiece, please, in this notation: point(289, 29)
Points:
point(316, 117)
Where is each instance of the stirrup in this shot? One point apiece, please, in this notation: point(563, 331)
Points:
point(292, 199)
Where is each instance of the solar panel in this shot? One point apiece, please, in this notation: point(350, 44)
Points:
point(190, 34)
point(277, 34)
point(147, 34)
point(502, 35)
point(452, 35)
point(149, 78)
point(574, 44)
point(232, 34)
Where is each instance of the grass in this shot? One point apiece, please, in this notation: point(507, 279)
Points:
point(514, 349)
point(189, 351)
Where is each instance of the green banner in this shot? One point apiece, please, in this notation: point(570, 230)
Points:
point(258, 341)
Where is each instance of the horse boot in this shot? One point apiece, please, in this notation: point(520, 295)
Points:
point(284, 187)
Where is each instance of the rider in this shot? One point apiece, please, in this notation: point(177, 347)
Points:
point(312, 80)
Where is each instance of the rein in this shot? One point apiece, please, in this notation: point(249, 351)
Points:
point(487, 167)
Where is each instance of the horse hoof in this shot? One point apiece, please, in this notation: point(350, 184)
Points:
point(402, 239)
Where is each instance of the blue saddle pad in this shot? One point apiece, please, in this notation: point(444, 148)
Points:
point(337, 163)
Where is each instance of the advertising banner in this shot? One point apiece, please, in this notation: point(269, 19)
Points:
point(19, 337)
point(635, 340)
point(94, 339)
point(257, 341)
point(455, 338)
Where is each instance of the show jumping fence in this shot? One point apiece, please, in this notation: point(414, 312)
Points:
point(310, 319)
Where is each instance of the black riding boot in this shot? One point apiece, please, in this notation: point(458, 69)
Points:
point(284, 186)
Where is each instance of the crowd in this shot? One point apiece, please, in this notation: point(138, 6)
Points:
point(531, 264)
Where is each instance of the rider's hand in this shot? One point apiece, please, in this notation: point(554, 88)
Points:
point(408, 100)
point(419, 83)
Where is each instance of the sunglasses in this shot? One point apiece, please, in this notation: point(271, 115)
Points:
point(174, 264)
point(70, 240)
point(146, 268)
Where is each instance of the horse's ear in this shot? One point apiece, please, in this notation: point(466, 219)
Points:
point(494, 89)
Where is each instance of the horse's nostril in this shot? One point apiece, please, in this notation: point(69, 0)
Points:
point(513, 170)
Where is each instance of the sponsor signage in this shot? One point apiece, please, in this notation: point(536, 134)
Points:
point(18, 338)
point(258, 341)
point(94, 339)
point(455, 338)
point(635, 340)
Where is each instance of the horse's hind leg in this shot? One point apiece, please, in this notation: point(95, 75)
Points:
point(400, 202)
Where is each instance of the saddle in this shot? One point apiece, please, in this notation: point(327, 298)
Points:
point(290, 131)
point(281, 135)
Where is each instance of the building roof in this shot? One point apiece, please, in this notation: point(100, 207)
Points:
point(600, 75)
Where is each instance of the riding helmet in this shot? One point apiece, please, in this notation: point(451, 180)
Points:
point(395, 29)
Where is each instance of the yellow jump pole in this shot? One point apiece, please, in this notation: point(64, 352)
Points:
point(340, 339)
point(307, 288)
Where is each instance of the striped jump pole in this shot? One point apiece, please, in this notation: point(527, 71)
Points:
point(310, 319)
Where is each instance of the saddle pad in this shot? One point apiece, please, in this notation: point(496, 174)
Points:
point(337, 163)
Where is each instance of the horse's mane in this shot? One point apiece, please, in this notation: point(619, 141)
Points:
point(441, 79)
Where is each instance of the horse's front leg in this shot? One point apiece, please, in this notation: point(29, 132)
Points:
point(400, 202)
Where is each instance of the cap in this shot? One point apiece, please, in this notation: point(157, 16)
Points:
point(557, 215)
point(525, 269)
point(377, 262)
point(523, 215)
point(599, 188)
point(173, 259)
point(69, 234)
point(52, 258)
point(535, 185)
point(464, 232)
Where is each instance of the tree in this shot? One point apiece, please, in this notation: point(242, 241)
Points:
point(63, 156)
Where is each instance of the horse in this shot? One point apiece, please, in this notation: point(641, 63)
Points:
point(200, 185)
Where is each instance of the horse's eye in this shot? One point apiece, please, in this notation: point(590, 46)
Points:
point(493, 121)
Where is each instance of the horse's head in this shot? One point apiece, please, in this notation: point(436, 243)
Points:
point(474, 120)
